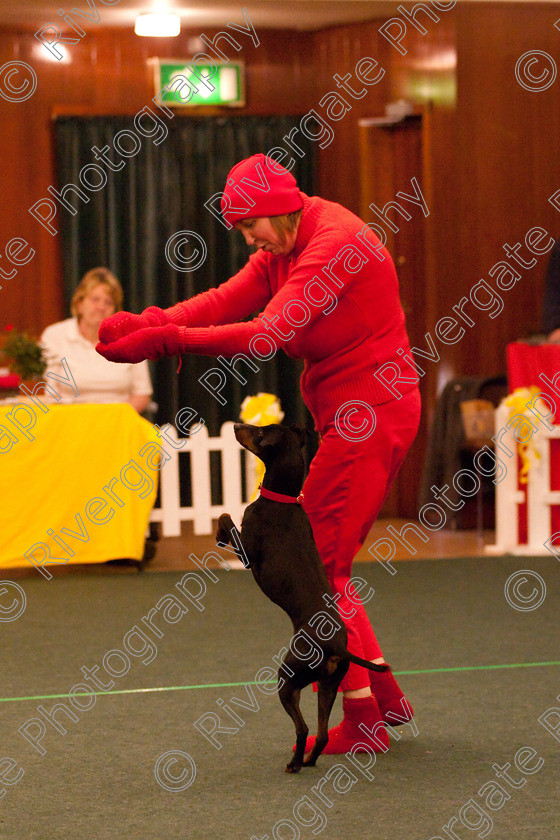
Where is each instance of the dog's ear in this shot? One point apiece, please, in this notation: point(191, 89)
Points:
point(268, 435)
point(301, 433)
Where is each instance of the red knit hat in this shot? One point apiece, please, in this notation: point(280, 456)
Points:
point(259, 186)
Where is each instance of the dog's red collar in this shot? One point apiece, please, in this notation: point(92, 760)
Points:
point(280, 497)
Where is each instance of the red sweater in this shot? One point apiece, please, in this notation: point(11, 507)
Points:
point(350, 324)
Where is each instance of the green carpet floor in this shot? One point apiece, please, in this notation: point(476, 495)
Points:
point(479, 673)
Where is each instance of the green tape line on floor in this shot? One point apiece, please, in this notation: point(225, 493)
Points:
point(236, 684)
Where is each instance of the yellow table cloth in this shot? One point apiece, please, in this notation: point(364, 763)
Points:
point(78, 483)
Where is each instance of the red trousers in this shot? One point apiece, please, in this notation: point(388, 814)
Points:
point(348, 481)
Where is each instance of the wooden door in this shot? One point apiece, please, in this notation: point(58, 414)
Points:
point(391, 155)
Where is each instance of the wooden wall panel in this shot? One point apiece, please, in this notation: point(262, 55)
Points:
point(507, 164)
point(337, 50)
point(26, 170)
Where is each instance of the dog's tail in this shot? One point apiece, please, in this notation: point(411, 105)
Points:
point(366, 664)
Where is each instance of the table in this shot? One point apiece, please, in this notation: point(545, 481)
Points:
point(78, 483)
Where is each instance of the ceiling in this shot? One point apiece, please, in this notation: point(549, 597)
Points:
point(264, 14)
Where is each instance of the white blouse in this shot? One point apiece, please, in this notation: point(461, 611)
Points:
point(97, 380)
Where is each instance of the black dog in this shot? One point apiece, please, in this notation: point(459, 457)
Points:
point(276, 541)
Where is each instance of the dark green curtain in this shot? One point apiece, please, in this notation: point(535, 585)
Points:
point(162, 190)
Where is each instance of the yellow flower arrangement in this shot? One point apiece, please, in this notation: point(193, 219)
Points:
point(261, 410)
point(517, 403)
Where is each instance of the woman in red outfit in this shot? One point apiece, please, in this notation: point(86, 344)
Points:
point(329, 294)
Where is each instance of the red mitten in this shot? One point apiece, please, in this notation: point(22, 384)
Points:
point(123, 323)
point(150, 343)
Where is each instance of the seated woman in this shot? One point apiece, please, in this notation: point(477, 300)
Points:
point(98, 381)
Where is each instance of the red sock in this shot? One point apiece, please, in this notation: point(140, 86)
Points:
point(393, 705)
point(361, 710)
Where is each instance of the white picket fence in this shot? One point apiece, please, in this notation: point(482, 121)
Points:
point(235, 497)
point(540, 498)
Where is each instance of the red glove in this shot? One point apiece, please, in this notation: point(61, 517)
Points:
point(124, 323)
point(149, 343)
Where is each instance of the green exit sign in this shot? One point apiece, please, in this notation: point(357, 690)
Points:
point(182, 83)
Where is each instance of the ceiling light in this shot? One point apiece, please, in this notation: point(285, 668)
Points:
point(158, 25)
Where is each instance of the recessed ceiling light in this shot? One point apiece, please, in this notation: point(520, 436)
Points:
point(158, 25)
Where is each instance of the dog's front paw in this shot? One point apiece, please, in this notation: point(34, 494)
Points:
point(225, 524)
point(222, 536)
